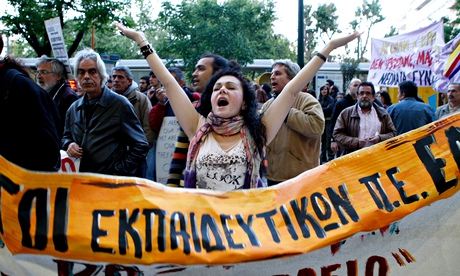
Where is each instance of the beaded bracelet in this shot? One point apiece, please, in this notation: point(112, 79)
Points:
point(147, 50)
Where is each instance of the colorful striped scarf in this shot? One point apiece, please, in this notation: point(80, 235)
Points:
point(226, 127)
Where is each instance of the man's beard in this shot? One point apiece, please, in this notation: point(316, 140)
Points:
point(47, 86)
point(365, 104)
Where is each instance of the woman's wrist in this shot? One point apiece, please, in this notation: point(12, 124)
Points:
point(146, 50)
point(142, 42)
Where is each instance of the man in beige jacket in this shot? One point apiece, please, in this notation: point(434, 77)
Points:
point(296, 147)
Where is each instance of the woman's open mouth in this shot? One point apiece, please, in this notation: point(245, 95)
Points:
point(222, 102)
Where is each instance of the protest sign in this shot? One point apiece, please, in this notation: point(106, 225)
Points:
point(407, 56)
point(447, 65)
point(166, 143)
point(56, 38)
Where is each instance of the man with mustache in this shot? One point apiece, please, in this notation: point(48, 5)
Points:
point(101, 127)
point(363, 124)
point(453, 104)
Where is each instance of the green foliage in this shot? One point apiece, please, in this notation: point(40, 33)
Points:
point(310, 39)
point(20, 48)
point(319, 25)
point(367, 15)
point(29, 16)
point(236, 29)
point(326, 21)
point(349, 68)
point(452, 27)
point(393, 31)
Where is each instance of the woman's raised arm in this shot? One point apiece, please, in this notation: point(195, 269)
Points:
point(183, 109)
point(274, 116)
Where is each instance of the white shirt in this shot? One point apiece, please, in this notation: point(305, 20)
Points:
point(217, 169)
point(369, 124)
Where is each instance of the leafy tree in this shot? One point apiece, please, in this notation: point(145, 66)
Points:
point(109, 41)
point(393, 31)
point(310, 39)
point(349, 69)
point(326, 21)
point(236, 29)
point(29, 16)
point(319, 23)
point(452, 27)
point(367, 15)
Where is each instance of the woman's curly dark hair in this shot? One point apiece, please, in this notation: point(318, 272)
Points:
point(250, 113)
point(5, 64)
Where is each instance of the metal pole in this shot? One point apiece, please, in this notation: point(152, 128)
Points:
point(300, 37)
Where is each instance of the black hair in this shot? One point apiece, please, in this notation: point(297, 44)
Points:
point(219, 63)
point(334, 90)
point(408, 88)
point(177, 71)
point(5, 64)
point(320, 97)
point(330, 82)
point(368, 84)
point(146, 78)
point(250, 114)
point(385, 98)
point(12, 63)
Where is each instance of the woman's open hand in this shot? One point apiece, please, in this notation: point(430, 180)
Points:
point(342, 41)
point(137, 36)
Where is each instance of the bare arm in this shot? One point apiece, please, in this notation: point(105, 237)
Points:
point(183, 109)
point(274, 116)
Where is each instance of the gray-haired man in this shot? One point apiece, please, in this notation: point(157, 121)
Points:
point(101, 127)
point(52, 76)
point(122, 79)
point(296, 147)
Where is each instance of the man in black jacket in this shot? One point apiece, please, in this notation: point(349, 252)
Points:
point(101, 127)
point(28, 120)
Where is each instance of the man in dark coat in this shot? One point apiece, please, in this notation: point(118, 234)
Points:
point(52, 76)
point(28, 120)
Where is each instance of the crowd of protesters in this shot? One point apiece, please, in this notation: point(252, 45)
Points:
point(235, 134)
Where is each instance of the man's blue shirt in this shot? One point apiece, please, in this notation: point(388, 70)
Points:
point(410, 114)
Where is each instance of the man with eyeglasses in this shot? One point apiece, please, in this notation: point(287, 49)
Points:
point(363, 124)
point(51, 75)
point(101, 127)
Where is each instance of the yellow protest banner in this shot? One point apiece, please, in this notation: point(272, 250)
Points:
point(123, 220)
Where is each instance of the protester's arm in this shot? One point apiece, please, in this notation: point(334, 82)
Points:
point(274, 116)
point(183, 109)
